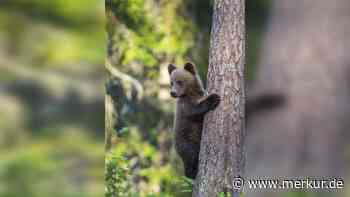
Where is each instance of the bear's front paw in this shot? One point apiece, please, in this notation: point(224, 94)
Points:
point(213, 101)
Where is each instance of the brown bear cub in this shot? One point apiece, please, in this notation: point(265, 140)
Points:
point(191, 105)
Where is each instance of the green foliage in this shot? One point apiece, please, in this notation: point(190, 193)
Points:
point(68, 31)
point(41, 168)
point(62, 12)
point(117, 178)
point(135, 167)
point(140, 40)
point(123, 132)
point(142, 32)
point(20, 172)
point(186, 184)
point(132, 13)
point(223, 194)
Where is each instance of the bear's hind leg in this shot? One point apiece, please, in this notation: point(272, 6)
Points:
point(191, 169)
point(190, 160)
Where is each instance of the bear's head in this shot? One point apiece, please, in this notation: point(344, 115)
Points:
point(185, 81)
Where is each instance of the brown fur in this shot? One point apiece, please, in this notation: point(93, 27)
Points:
point(191, 106)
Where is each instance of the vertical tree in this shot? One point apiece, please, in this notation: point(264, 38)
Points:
point(110, 117)
point(222, 154)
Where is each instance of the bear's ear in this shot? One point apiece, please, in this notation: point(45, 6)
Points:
point(190, 67)
point(171, 68)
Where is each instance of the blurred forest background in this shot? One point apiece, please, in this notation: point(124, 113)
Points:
point(51, 93)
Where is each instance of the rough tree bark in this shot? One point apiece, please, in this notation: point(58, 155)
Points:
point(306, 58)
point(222, 154)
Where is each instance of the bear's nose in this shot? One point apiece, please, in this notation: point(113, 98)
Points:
point(173, 94)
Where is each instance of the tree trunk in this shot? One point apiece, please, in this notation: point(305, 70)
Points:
point(221, 154)
point(110, 121)
point(306, 58)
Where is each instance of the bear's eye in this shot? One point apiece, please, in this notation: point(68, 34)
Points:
point(171, 83)
point(180, 83)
